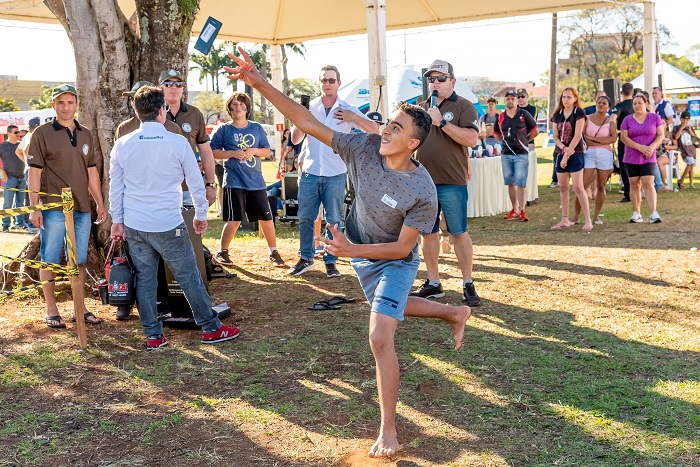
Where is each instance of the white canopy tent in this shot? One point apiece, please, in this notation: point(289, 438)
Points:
point(287, 21)
point(405, 84)
point(675, 81)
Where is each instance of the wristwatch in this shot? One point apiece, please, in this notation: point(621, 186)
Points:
point(443, 122)
point(211, 184)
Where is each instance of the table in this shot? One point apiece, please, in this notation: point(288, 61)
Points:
point(488, 195)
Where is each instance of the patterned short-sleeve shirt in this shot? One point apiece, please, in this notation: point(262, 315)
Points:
point(385, 199)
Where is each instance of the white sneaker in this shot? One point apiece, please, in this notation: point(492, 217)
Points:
point(636, 218)
point(654, 218)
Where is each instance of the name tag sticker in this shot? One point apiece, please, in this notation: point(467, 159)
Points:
point(389, 201)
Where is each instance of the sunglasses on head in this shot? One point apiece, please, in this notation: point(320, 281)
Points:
point(328, 80)
point(439, 78)
point(177, 84)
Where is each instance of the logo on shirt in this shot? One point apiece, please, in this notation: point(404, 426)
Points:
point(86, 149)
point(244, 140)
point(186, 127)
point(448, 116)
point(150, 137)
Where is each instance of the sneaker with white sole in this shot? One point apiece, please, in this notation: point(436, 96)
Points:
point(331, 270)
point(276, 259)
point(223, 259)
point(654, 218)
point(301, 267)
point(636, 218)
point(224, 333)
point(156, 342)
point(429, 291)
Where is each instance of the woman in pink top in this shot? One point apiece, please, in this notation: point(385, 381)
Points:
point(642, 132)
point(599, 132)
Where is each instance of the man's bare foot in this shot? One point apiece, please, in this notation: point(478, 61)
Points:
point(385, 445)
point(587, 227)
point(463, 314)
point(564, 224)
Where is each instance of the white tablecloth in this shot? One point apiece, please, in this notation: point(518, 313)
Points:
point(488, 195)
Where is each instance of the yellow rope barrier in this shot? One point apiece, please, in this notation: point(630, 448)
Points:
point(42, 265)
point(27, 191)
point(28, 209)
point(30, 287)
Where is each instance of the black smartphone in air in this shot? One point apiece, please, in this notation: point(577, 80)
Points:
point(305, 100)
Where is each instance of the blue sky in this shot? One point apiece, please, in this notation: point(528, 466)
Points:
point(513, 49)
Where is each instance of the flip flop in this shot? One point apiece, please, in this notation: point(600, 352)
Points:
point(87, 321)
point(54, 319)
point(323, 305)
point(598, 222)
point(339, 300)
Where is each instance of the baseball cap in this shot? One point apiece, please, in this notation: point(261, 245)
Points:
point(522, 91)
point(170, 74)
point(375, 117)
point(685, 114)
point(491, 99)
point(511, 93)
point(137, 85)
point(63, 89)
point(34, 122)
point(440, 66)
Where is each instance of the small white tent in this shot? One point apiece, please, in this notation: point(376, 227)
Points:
point(675, 81)
point(405, 84)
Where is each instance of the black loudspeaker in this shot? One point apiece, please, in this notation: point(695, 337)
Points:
point(611, 86)
point(426, 88)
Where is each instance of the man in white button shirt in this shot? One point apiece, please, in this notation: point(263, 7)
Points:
point(323, 174)
point(147, 168)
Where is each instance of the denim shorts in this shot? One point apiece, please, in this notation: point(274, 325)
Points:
point(515, 167)
point(452, 201)
point(387, 283)
point(573, 164)
point(53, 235)
point(690, 161)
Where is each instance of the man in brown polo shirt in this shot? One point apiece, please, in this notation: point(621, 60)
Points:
point(194, 128)
point(61, 155)
point(133, 124)
point(444, 155)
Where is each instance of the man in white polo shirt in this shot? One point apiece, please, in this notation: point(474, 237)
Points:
point(324, 174)
point(147, 167)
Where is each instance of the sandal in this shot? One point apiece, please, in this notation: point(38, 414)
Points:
point(323, 305)
point(338, 300)
point(86, 316)
point(54, 321)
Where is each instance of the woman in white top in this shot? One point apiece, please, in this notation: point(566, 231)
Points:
point(599, 132)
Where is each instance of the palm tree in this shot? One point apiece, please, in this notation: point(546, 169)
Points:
point(211, 65)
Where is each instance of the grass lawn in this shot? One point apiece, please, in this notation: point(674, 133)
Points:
point(584, 352)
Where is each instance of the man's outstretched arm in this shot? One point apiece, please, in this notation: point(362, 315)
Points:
point(299, 116)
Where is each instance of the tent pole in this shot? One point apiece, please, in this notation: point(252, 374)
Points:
point(276, 62)
point(552, 72)
point(649, 46)
point(376, 42)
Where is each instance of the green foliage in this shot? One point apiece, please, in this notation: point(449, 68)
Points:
point(682, 63)
point(210, 103)
point(211, 65)
point(188, 8)
point(7, 104)
point(299, 86)
point(44, 100)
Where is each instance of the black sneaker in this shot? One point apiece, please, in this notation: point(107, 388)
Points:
point(301, 267)
point(223, 259)
point(123, 313)
point(624, 200)
point(429, 291)
point(331, 270)
point(276, 259)
point(470, 295)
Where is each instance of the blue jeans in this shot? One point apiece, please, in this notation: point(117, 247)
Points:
point(658, 183)
point(452, 201)
point(13, 199)
point(176, 249)
point(314, 190)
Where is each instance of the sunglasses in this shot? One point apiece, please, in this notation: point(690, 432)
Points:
point(328, 80)
point(522, 97)
point(15, 132)
point(177, 84)
point(439, 79)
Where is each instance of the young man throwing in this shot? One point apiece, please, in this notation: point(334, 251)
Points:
point(395, 201)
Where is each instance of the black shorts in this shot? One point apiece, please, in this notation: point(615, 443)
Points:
point(640, 170)
point(219, 171)
point(574, 164)
point(253, 203)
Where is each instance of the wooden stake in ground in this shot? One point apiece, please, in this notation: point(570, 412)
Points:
point(76, 286)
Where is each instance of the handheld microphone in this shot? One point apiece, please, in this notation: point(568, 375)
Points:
point(433, 98)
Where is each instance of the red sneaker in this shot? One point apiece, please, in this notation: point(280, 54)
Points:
point(511, 215)
point(523, 216)
point(153, 343)
point(224, 333)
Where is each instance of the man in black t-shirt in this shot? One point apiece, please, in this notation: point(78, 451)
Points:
point(516, 128)
point(12, 175)
point(617, 115)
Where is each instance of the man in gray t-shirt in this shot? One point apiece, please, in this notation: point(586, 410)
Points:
point(393, 205)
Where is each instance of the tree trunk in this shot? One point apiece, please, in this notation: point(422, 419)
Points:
point(113, 52)
point(285, 77)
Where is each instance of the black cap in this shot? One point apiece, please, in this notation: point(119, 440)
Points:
point(685, 114)
point(34, 122)
point(491, 99)
point(375, 117)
